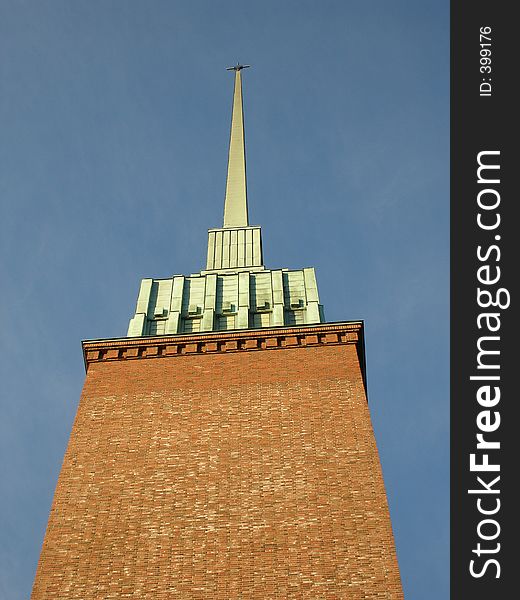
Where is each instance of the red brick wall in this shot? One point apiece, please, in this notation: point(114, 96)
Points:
point(248, 474)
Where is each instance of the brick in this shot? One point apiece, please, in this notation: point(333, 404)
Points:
point(222, 475)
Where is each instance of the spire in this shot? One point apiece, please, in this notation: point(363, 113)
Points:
point(235, 205)
point(235, 290)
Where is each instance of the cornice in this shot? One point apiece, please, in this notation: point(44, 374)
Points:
point(247, 340)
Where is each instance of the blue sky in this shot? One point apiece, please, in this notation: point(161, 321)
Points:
point(114, 121)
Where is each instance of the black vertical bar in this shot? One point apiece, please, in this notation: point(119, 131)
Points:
point(482, 121)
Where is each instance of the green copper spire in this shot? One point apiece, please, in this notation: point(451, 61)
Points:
point(235, 205)
point(235, 290)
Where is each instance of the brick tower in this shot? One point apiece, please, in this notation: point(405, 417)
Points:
point(223, 449)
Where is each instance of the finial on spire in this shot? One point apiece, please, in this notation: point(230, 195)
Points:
point(235, 205)
point(238, 67)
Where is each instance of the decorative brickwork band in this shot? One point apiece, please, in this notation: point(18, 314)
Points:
point(226, 341)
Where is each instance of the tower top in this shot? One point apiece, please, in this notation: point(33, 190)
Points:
point(235, 204)
point(235, 290)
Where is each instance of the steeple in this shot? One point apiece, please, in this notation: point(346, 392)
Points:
point(235, 290)
point(235, 205)
point(236, 245)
